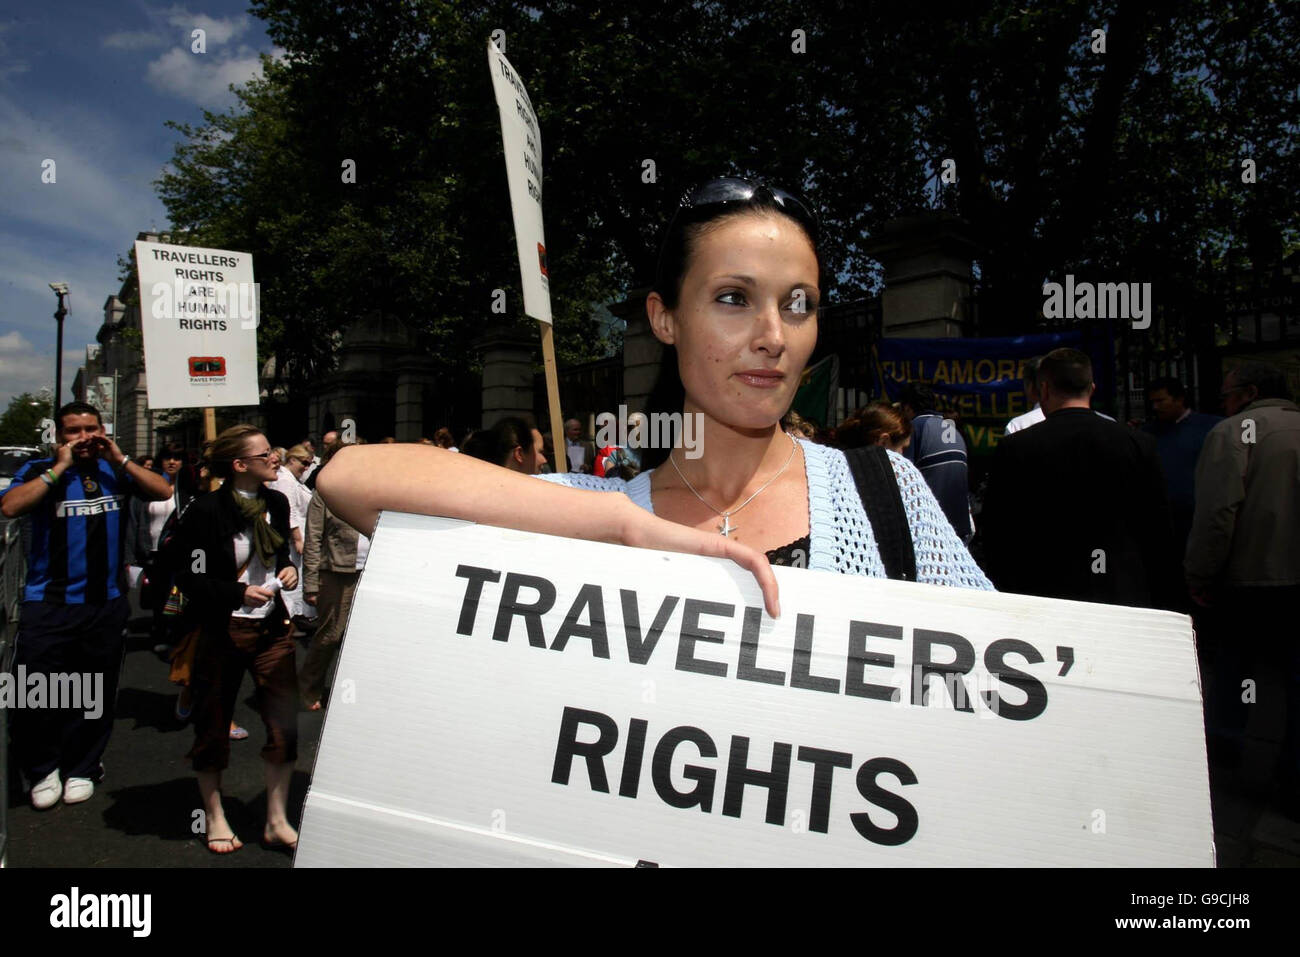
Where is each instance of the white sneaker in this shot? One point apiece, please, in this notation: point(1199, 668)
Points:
point(45, 793)
point(77, 790)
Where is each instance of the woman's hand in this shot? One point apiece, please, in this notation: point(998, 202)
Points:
point(288, 577)
point(643, 530)
point(255, 597)
point(309, 598)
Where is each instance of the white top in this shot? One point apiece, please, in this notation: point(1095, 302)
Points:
point(158, 512)
point(1024, 421)
point(841, 534)
point(256, 574)
point(363, 549)
point(1034, 416)
point(299, 496)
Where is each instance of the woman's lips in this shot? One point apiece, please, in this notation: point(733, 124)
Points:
point(761, 379)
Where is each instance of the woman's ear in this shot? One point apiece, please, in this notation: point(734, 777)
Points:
point(661, 319)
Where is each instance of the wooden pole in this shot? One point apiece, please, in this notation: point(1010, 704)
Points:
point(209, 433)
point(561, 462)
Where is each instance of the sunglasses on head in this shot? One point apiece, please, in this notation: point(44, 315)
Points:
point(730, 190)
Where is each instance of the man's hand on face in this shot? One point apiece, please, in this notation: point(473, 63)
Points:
point(107, 448)
point(64, 455)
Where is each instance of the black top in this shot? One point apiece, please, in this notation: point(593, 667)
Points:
point(1076, 508)
point(209, 527)
point(794, 555)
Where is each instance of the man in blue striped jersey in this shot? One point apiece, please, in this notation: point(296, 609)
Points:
point(75, 605)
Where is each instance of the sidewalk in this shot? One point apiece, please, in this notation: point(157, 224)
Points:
point(143, 812)
point(1249, 830)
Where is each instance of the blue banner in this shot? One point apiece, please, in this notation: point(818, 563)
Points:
point(982, 380)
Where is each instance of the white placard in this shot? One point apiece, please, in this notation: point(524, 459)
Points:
point(510, 698)
point(198, 312)
point(521, 136)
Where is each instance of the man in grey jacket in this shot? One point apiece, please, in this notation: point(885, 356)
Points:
point(334, 553)
point(1243, 558)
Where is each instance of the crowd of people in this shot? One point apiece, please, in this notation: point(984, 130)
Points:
point(1186, 512)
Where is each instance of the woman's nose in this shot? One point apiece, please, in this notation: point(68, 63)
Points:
point(769, 333)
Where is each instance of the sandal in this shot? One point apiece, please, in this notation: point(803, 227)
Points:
point(237, 733)
point(224, 840)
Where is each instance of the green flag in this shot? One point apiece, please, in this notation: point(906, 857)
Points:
point(818, 387)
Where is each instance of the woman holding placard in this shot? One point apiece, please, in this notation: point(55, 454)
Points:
point(735, 305)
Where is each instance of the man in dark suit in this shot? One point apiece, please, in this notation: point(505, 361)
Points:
point(1076, 506)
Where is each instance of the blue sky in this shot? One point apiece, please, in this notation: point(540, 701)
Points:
point(89, 84)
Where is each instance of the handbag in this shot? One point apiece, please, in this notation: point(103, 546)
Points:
point(182, 657)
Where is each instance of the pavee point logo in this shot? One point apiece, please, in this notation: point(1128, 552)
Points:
point(207, 367)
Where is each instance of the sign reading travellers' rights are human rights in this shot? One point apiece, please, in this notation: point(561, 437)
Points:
point(198, 313)
point(510, 698)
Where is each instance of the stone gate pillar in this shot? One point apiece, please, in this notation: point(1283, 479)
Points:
point(508, 362)
point(928, 278)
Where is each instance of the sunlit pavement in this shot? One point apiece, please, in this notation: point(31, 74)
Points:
point(143, 814)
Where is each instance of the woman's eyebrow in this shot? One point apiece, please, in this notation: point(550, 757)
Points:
point(749, 280)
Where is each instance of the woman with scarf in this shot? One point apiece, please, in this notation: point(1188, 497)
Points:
point(235, 543)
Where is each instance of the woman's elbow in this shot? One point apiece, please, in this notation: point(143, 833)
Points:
point(334, 475)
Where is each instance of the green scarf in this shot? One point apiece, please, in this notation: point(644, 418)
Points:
point(265, 539)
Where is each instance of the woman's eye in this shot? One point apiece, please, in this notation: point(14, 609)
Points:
point(802, 305)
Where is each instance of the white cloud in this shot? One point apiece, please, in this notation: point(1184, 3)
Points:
point(14, 342)
point(28, 368)
point(103, 185)
point(134, 40)
point(218, 31)
point(202, 78)
point(27, 320)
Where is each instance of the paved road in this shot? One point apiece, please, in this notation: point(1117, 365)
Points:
point(141, 815)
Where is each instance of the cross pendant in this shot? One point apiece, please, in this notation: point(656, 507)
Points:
point(726, 528)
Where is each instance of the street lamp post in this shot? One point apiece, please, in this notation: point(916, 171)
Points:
point(60, 290)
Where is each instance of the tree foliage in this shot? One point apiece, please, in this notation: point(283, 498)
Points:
point(1126, 162)
point(20, 424)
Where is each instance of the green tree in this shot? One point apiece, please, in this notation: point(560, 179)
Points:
point(1125, 163)
point(21, 422)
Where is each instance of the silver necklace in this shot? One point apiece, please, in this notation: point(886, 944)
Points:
point(726, 528)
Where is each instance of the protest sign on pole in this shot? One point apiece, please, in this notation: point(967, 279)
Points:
point(543, 700)
point(521, 139)
point(198, 313)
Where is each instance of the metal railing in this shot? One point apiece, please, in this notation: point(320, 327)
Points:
point(13, 574)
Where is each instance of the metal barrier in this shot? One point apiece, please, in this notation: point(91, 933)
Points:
point(13, 574)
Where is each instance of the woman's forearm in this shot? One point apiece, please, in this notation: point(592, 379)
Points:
point(362, 481)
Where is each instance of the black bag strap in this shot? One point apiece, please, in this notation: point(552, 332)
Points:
point(883, 503)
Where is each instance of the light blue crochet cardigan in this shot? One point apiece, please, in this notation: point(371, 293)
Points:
point(842, 540)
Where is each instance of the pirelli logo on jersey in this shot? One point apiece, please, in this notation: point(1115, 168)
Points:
point(90, 506)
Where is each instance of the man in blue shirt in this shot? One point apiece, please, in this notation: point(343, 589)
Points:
point(939, 451)
point(75, 606)
point(1179, 433)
